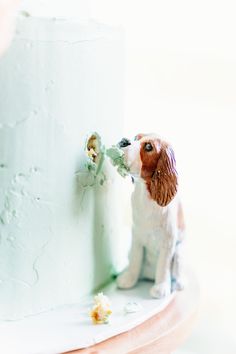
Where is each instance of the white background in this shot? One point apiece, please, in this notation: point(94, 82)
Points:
point(181, 82)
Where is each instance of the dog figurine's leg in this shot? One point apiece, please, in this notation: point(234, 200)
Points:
point(177, 280)
point(162, 286)
point(130, 276)
point(177, 266)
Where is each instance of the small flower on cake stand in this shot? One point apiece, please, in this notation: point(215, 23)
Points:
point(101, 310)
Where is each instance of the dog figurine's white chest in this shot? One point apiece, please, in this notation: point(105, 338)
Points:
point(150, 227)
point(147, 214)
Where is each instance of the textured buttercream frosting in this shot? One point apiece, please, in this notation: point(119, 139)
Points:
point(60, 233)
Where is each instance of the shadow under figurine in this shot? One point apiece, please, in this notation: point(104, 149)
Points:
point(158, 221)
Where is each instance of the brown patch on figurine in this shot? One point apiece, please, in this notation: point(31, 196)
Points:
point(159, 169)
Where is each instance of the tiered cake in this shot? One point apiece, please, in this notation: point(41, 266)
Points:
point(59, 227)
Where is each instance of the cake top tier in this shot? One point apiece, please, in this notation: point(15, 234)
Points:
point(60, 20)
point(57, 8)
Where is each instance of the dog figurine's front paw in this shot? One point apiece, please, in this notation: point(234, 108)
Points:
point(159, 291)
point(126, 280)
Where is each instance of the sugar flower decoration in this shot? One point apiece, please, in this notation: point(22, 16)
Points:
point(101, 310)
point(95, 153)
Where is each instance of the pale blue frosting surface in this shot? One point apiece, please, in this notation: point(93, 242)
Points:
point(61, 230)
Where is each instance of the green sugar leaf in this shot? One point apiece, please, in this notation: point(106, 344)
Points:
point(116, 156)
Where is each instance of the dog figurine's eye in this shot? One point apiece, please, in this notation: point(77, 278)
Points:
point(148, 147)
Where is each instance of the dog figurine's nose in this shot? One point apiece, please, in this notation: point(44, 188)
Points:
point(124, 142)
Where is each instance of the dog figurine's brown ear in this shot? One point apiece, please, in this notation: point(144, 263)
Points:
point(164, 181)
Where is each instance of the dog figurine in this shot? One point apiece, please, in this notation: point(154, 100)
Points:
point(158, 221)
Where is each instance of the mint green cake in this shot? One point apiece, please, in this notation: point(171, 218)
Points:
point(60, 221)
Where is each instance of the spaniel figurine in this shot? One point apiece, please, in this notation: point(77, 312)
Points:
point(158, 222)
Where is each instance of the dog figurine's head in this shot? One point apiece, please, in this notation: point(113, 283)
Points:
point(151, 158)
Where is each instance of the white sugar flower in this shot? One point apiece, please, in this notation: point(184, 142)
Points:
point(101, 310)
